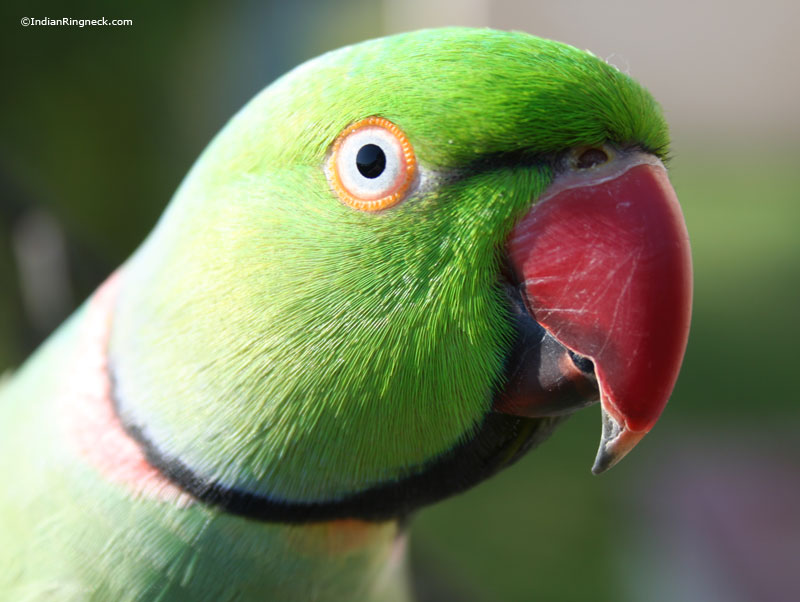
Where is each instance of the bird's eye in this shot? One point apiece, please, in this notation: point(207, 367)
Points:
point(372, 165)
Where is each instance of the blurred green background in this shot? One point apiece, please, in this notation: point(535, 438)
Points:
point(99, 125)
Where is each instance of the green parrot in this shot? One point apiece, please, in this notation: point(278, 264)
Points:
point(391, 274)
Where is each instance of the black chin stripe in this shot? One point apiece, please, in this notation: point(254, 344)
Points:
point(501, 440)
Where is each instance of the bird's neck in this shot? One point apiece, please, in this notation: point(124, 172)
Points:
point(338, 559)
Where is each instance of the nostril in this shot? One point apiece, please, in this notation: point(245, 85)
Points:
point(591, 157)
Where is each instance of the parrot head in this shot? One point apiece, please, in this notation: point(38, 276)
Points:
point(397, 269)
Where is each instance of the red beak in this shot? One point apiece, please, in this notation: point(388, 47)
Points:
point(606, 268)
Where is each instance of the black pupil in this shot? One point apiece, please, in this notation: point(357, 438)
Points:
point(370, 160)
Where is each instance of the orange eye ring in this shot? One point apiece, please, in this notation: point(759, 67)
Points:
point(392, 154)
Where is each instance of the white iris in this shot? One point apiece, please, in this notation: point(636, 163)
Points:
point(353, 180)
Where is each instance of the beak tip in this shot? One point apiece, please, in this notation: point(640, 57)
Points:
point(607, 456)
point(602, 463)
point(615, 443)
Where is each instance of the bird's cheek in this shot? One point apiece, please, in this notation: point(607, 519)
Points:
point(605, 268)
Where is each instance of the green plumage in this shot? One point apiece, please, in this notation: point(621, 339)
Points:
point(280, 342)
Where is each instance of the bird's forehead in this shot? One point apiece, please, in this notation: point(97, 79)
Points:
point(457, 94)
